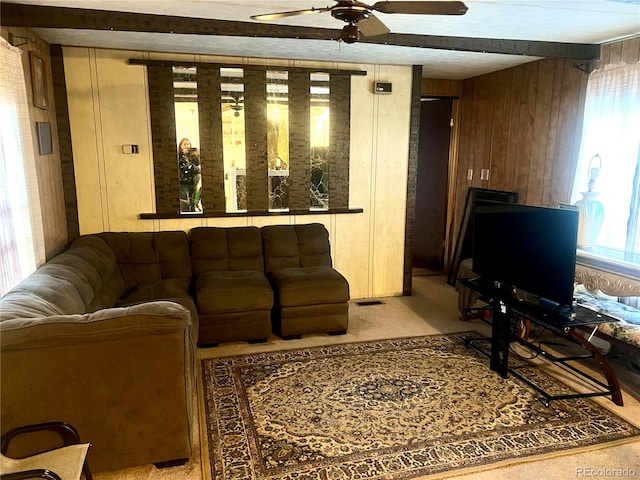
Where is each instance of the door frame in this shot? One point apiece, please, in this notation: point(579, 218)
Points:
point(412, 176)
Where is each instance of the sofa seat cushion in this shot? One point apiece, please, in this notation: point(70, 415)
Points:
point(171, 289)
point(159, 290)
point(299, 286)
point(234, 291)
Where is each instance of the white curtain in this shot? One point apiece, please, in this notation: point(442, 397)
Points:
point(612, 130)
point(21, 236)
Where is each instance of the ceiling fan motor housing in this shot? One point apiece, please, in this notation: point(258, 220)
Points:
point(351, 12)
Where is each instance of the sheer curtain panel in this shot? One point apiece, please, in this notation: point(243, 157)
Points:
point(21, 236)
point(612, 130)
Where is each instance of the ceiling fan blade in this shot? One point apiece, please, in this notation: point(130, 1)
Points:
point(274, 16)
point(421, 8)
point(372, 26)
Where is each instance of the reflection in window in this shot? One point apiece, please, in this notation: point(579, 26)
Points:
point(278, 139)
point(233, 125)
point(185, 94)
point(319, 130)
point(207, 116)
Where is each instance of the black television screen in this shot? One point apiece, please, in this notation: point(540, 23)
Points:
point(530, 248)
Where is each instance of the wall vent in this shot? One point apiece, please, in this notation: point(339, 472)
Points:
point(367, 303)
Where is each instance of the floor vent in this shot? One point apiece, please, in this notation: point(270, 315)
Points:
point(366, 303)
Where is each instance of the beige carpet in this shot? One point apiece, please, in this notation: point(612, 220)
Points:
point(430, 310)
point(391, 409)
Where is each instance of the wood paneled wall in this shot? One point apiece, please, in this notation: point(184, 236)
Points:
point(626, 51)
point(435, 87)
point(524, 124)
point(48, 170)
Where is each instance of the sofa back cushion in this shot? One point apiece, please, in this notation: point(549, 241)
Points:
point(146, 257)
point(226, 249)
point(82, 279)
point(304, 245)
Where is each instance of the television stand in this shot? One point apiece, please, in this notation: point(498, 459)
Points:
point(506, 309)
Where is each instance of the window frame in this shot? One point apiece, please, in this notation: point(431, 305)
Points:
point(606, 264)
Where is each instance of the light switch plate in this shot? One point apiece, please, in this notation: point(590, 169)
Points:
point(129, 149)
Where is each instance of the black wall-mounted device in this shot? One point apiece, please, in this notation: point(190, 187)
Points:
point(382, 87)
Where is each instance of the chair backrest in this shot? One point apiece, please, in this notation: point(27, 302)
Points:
point(304, 245)
point(66, 463)
point(226, 249)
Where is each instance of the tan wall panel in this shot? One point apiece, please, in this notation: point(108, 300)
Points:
point(172, 224)
point(367, 248)
point(261, 221)
point(227, 222)
point(390, 181)
point(84, 121)
point(353, 247)
point(124, 119)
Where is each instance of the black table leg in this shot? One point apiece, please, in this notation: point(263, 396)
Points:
point(500, 337)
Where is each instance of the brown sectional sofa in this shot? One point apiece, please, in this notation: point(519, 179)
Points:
point(103, 335)
point(124, 376)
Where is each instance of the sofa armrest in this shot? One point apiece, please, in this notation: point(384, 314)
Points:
point(132, 321)
point(124, 377)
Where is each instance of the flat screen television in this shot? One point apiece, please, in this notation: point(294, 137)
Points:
point(528, 248)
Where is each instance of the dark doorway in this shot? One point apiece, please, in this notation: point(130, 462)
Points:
point(431, 186)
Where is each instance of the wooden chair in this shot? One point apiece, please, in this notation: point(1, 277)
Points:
point(65, 463)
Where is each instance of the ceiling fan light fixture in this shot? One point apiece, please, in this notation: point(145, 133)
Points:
point(350, 33)
point(354, 12)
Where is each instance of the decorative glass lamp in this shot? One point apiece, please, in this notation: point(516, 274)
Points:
point(591, 209)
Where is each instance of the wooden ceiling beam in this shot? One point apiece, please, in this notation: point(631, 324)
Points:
point(38, 16)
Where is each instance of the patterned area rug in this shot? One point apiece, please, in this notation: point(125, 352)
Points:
point(391, 409)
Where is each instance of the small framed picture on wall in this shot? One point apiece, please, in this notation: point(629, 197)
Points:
point(38, 81)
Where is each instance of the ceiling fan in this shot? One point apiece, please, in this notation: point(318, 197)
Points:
point(360, 18)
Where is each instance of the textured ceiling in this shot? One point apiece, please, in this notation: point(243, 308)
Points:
point(578, 21)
